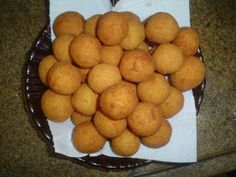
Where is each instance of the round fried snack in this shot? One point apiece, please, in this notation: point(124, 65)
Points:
point(187, 39)
point(78, 118)
point(60, 47)
point(103, 76)
point(84, 73)
point(86, 50)
point(190, 75)
point(69, 23)
point(108, 127)
point(130, 84)
point(112, 54)
point(91, 25)
point(143, 46)
point(64, 78)
point(168, 58)
point(145, 120)
point(136, 32)
point(126, 144)
point(173, 104)
point(56, 107)
point(86, 139)
point(160, 137)
point(161, 28)
point(136, 65)
point(84, 100)
point(130, 16)
point(154, 90)
point(45, 64)
point(118, 101)
point(112, 28)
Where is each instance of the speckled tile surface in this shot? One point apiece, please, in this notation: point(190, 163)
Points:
point(24, 153)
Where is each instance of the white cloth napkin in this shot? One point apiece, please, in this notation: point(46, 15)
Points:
point(183, 143)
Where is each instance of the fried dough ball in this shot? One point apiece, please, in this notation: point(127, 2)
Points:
point(60, 47)
point(108, 127)
point(168, 58)
point(118, 101)
point(160, 137)
point(143, 46)
point(112, 28)
point(154, 90)
point(86, 139)
point(131, 84)
point(86, 50)
point(136, 32)
point(126, 144)
point(84, 73)
point(145, 120)
point(161, 28)
point(112, 54)
point(56, 107)
point(130, 16)
point(173, 104)
point(69, 23)
point(190, 75)
point(103, 76)
point(136, 65)
point(64, 78)
point(84, 100)
point(91, 24)
point(44, 66)
point(187, 39)
point(78, 118)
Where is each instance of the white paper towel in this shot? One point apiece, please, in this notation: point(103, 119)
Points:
point(183, 143)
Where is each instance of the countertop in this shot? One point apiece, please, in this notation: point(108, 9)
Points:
point(23, 151)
